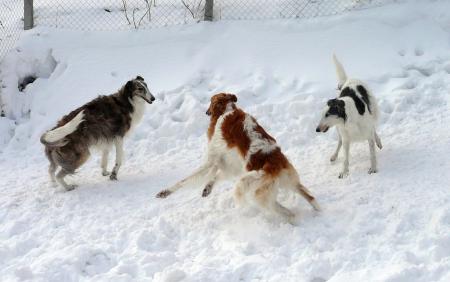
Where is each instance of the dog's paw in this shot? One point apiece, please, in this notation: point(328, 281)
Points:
point(71, 187)
point(105, 173)
point(292, 220)
point(113, 176)
point(333, 158)
point(163, 194)
point(372, 170)
point(207, 190)
point(343, 174)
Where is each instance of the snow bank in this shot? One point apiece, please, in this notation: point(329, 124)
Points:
point(392, 226)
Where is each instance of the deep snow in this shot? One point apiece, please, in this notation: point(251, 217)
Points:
point(391, 226)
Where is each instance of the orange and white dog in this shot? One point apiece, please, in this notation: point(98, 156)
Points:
point(239, 147)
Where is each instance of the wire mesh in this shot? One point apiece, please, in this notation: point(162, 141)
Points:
point(116, 14)
point(141, 14)
point(11, 24)
point(284, 9)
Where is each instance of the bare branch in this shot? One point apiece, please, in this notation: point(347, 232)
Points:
point(124, 2)
point(188, 8)
point(143, 16)
point(134, 20)
point(149, 6)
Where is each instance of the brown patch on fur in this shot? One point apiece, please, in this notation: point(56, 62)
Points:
point(217, 108)
point(233, 132)
point(272, 163)
point(258, 128)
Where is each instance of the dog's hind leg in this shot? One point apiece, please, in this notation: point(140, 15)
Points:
point(378, 141)
point(118, 143)
point(304, 192)
point(244, 185)
point(51, 171)
point(104, 162)
point(199, 174)
point(336, 153)
point(265, 196)
point(60, 178)
point(373, 157)
point(53, 166)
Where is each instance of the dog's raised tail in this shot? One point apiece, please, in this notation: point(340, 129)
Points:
point(56, 137)
point(302, 190)
point(342, 76)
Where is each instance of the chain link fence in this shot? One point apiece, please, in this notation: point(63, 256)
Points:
point(11, 24)
point(97, 15)
point(116, 14)
point(141, 14)
point(284, 9)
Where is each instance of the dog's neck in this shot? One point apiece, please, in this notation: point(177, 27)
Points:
point(136, 115)
point(214, 117)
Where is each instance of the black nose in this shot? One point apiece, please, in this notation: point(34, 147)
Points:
point(317, 129)
point(152, 99)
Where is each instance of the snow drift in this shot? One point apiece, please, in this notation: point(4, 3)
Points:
point(391, 226)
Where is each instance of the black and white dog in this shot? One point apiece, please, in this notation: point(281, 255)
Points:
point(101, 123)
point(355, 115)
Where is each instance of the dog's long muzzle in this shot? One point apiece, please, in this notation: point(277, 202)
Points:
point(148, 98)
point(322, 128)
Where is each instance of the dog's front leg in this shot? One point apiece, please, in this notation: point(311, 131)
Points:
point(336, 153)
point(200, 173)
point(104, 162)
point(373, 157)
point(344, 171)
point(378, 141)
point(118, 143)
point(213, 176)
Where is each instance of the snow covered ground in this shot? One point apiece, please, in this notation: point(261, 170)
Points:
point(390, 226)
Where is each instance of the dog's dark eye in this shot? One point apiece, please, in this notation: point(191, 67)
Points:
point(140, 88)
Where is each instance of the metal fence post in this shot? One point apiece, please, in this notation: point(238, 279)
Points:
point(209, 10)
point(28, 21)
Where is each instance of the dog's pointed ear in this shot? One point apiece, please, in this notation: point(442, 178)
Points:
point(139, 78)
point(128, 88)
point(331, 102)
point(233, 98)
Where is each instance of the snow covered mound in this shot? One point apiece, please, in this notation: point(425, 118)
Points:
point(390, 226)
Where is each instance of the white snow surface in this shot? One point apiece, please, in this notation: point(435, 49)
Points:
point(389, 226)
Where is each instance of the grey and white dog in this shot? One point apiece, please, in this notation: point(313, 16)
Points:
point(100, 124)
point(355, 115)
